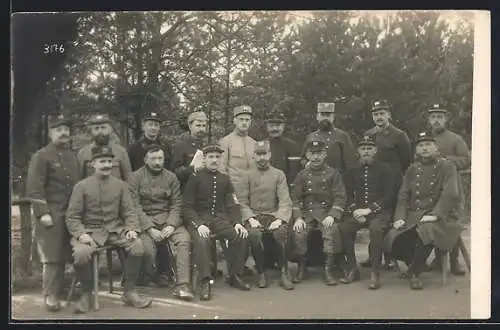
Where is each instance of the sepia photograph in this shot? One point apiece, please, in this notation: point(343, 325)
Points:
point(250, 165)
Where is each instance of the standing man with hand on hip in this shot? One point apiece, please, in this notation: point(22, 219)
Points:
point(266, 209)
point(52, 173)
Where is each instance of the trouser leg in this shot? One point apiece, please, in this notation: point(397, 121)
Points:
point(182, 240)
point(52, 278)
point(420, 255)
point(81, 259)
point(375, 247)
point(280, 235)
point(149, 258)
point(235, 253)
point(257, 246)
point(202, 255)
point(332, 239)
point(348, 230)
point(133, 262)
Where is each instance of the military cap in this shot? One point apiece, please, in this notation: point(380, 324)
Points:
point(316, 145)
point(262, 147)
point(239, 110)
point(151, 115)
point(276, 117)
point(212, 148)
point(380, 105)
point(326, 107)
point(436, 108)
point(425, 136)
point(198, 115)
point(367, 141)
point(58, 120)
point(153, 148)
point(99, 118)
point(102, 151)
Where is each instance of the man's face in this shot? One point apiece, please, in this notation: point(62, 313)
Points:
point(198, 128)
point(101, 133)
point(317, 158)
point(437, 120)
point(103, 165)
point(367, 153)
point(60, 134)
point(151, 129)
point(381, 117)
point(426, 149)
point(242, 122)
point(275, 129)
point(262, 159)
point(154, 160)
point(329, 116)
point(212, 160)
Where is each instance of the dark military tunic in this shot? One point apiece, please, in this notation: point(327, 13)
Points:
point(285, 155)
point(137, 151)
point(121, 162)
point(52, 173)
point(182, 155)
point(429, 188)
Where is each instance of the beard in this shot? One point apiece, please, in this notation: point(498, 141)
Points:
point(263, 165)
point(438, 129)
point(366, 160)
point(102, 140)
point(325, 125)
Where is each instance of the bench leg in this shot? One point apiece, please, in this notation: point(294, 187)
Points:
point(71, 289)
point(445, 261)
point(465, 253)
point(95, 290)
point(109, 260)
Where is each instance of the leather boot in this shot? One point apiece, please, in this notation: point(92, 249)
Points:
point(263, 280)
point(52, 303)
point(285, 280)
point(415, 283)
point(350, 276)
point(82, 305)
point(301, 270)
point(131, 298)
point(206, 289)
point(161, 280)
point(375, 281)
point(237, 282)
point(329, 277)
point(183, 292)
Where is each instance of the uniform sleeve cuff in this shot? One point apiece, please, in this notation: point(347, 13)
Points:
point(376, 208)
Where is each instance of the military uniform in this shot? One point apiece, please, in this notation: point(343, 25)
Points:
point(52, 173)
point(121, 161)
point(238, 150)
point(137, 150)
point(266, 198)
point(157, 198)
point(429, 188)
point(374, 188)
point(317, 194)
point(103, 208)
point(209, 200)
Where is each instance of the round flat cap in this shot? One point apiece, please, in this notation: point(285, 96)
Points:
point(437, 108)
point(262, 147)
point(380, 105)
point(242, 109)
point(367, 141)
point(425, 136)
point(102, 151)
point(59, 120)
point(99, 118)
point(326, 107)
point(151, 115)
point(212, 148)
point(198, 115)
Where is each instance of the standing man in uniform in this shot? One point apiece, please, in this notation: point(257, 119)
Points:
point(52, 173)
point(453, 147)
point(210, 208)
point(157, 197)
point(285, 153)
point(370, 205)
point(319, 198)
point(100, 129)
point(151, 124)
point(184, 151)
point(238, 147)
point(426, 213)
point(101, 212)
point(266, 209)
point(393, 148)
point(339, 148)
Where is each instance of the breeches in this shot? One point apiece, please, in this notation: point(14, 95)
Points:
point(332, 239)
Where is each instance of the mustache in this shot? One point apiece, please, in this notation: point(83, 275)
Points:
point(107, 168)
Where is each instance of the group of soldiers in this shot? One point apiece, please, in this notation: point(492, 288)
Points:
point(240, 191)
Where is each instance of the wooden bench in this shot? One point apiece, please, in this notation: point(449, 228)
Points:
point(445, 261)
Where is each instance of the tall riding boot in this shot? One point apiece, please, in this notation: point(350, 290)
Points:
point(301, 269)
point(329, 277)
point(454, 264)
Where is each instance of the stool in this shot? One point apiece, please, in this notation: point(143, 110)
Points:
point(445, 261)
point(95, 272)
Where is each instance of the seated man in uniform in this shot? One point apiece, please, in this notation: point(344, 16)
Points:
point(426, 213)
point(210, 208)
point(157, 196)
point(266, 209)
point(101, 212)
point(319, 197)
point(370, 206)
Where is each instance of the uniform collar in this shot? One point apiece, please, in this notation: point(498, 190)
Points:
point(148, 141)
point(237, 133)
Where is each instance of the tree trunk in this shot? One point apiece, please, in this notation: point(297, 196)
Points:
point(227, 94)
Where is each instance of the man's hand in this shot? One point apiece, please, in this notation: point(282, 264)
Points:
point(328, 221)
point(360, 219)
point(299, 225)
point(254, 223)
point(155, 234)
point(131, 235)
point(275, 224)
point(429, 218)
point(361, 212)
point(46, 220)
point(166, 232)
point(398, 223)
point(85, 239)
point(241, 231)
point(203, 231)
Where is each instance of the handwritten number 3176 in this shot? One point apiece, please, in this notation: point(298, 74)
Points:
point(53, 48)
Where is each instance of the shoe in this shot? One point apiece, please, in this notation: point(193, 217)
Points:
point(329, 277)
point(300, 274)
point(262, 280)
point(351, 276)
point(52, 303)
point(133, 299)
point(236, 282)
point(285, 280)
point(183, 292)
point(375, 281)
point(83, 304)
point(162, 281)
point(206, 290)
point(416, 283)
